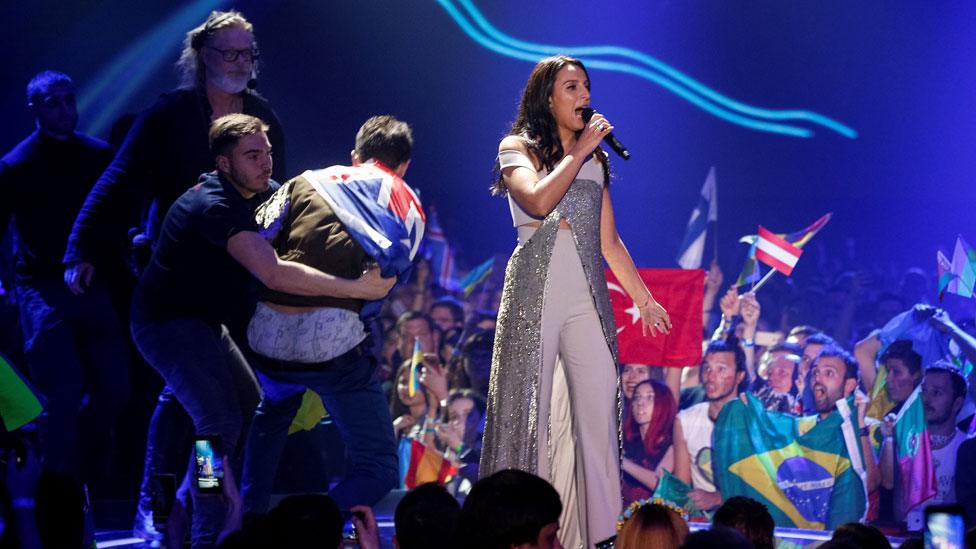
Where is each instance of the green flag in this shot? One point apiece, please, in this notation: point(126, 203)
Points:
point(809, 473)
point(672, 490)
point(18, 402)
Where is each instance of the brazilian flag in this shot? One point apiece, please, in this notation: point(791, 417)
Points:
point(672, 490)
point(809, 473)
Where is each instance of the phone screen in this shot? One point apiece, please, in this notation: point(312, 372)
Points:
point(209, 464)
point(944, 528)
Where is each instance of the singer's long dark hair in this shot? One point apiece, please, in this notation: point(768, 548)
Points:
point(535, 123)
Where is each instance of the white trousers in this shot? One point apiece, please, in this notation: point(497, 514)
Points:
point(578, 452)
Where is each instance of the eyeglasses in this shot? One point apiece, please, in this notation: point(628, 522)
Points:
point(250, 54)
point(51, 101)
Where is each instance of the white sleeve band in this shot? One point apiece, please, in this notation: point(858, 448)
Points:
point(511, 158)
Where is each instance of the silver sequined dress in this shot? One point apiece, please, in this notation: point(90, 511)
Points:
point(512, 424)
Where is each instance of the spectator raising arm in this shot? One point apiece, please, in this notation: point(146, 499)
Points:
point(750, 309)
point(866, 353)
point(713, 281)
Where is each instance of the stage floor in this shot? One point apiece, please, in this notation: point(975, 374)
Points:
point(111, 519)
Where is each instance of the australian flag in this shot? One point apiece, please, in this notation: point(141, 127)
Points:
point(379, 210)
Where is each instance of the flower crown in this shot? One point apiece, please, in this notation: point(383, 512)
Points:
point(633, 507)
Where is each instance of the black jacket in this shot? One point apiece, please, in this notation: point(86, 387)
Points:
point(163, 155)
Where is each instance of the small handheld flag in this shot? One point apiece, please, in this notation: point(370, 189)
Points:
point(797, 240)
point(477, 276)
point(750, 271)
point(959, 275)
point(415, 361)
point(776, 252)
point(800, 238)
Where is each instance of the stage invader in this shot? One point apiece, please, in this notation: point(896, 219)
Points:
point(340, 220)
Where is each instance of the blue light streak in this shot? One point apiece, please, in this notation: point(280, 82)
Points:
point(115, 84)
point(648, 68)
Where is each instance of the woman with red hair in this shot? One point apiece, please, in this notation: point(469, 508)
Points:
point(648, 435)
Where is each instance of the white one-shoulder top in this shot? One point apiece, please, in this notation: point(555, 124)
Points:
point(591, 170)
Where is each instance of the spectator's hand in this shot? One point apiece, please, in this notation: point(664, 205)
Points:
point(232, 497)
point(372, 285)
point(22, 477)
point(750, 309)
point(423, 273)
point(888, 426)
point(403, 423)
point(654, 318)
point(366, 529)
point(713, 279)
point(433, 376)
point(940, 321)
point(78, 277)
point(729, 304)
point(448, 435)
point(705, 500)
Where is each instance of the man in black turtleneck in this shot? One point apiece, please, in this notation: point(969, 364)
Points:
point(73, 344)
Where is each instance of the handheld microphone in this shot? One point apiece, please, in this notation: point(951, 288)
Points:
point(609, 139)
point(252, 82)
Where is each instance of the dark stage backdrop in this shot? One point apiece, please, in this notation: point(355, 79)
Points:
point(900, 74)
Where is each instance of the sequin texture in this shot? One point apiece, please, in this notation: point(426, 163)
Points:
point(512, 425)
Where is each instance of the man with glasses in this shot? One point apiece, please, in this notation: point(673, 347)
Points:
point(775, 385)
point(163, 155)
point(74, 345)
point(166, 149)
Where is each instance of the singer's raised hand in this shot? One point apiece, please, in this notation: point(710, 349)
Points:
point(593, 133)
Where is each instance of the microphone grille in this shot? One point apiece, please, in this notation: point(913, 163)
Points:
point(587, 114)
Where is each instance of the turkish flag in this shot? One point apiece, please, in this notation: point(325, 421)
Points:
point(680, 292)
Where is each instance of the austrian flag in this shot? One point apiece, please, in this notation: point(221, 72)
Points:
point(776, 252)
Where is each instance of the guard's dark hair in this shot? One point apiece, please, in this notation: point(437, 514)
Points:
point(227, 130)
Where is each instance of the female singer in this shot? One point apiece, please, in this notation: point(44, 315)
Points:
point(552, 397)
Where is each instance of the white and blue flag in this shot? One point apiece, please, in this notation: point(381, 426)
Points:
point(693, 246)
